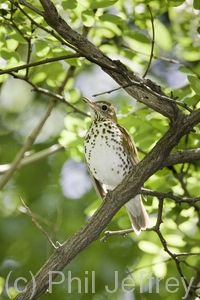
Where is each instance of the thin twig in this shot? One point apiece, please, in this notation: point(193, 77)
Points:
point(38, 63)
point(35, 157)
point(148, 266)
point(55, 96)
point(173, 255)
point(29, 51)
point(159, 216)
point(180, 178)
point(29, 212)
point(11, 20)
point(169, 195)
point(170, 60)
point(109, 233)
point(178, 62)
point(152, 43)
point(188, 254)
point(31, 7)
point(59, 98)
point(110, 91)
point(69, 74)
point(147, 88)
point(164, 242)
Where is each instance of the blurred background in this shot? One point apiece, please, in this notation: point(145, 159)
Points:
point(52, 178)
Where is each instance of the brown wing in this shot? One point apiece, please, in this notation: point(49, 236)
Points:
point(130, 148)
point(129, 145)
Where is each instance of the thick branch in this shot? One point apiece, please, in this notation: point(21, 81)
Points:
point(185, 156)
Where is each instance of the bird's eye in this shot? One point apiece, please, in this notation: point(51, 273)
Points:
point(104, 107)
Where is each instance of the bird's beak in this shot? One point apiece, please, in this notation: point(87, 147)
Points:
point(90, 103)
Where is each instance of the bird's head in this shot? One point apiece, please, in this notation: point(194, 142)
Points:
point(101, 110)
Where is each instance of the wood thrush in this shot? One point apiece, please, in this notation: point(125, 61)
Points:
point(110, 155)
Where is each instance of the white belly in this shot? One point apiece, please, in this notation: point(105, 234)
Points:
point(107, 161)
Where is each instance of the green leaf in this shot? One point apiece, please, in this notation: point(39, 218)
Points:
point(192, 101)
point(195, 84)
point(18, 37)
point(72, 123)
point(112, 19)
point(175, 240)
point(176, 2)
point(88, 18)
point(137, 41)
point(162, 35)
point(74, 95)
point(191, 54)
point(12, 44)
point(196, 4)
point(148, 247)
point(74, 62)
point(3, 77)
point(4, 12)
point(39, 77)
point(102, 3)
point(69, 4)
point(2, 281)
point(137, 36)
point(68, 138)
point(42, 48)
point(159, 268)
point(110, 32)
point(10, 56)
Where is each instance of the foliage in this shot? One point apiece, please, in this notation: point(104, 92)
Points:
point(39, 69)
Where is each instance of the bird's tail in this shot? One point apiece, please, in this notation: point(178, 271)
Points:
point(137, 214)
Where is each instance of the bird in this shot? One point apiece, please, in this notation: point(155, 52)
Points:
point(110, 154)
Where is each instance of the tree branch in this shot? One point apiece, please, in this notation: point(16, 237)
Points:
point(185, 156)
point(38, 63)
point(27, 4)
point(169, 195)
point(152, 43)
point(35, 157)
point(29, 212)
